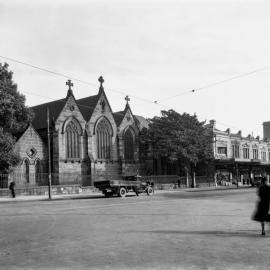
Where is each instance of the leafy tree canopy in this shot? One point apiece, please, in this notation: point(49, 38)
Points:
point(179, 137)
point(13, 112)
point(14, 116)
point(8, 157)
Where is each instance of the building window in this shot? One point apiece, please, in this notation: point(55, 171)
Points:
point(103, 140)
point(72, 141)
point(246, 153)
point(38, 171)
point(269, 155)
point(235, 150)
point(222, 150)
point(255, 153)
point(129, 145)
point(263, 155)
point(26, 170)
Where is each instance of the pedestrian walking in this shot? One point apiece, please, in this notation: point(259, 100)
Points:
point(12, 189)
point(261, 214)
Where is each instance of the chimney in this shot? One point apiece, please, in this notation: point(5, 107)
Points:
point(266, 130)
point(213, 123)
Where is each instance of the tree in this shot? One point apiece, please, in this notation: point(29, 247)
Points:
point(180, 138)
point(14, 116)
point(8, 157)
point(13, 112)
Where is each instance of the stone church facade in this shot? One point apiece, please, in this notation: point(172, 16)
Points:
point(88, 141)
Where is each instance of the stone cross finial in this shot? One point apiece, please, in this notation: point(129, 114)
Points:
point(101, 80)
point(127, 99)
point(70, 84)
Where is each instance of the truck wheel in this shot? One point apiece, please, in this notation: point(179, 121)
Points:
point(122, 192)
point(150, 191)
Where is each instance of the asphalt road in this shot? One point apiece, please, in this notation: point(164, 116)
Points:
point(173, 230)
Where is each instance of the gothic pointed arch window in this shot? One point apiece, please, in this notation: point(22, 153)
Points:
point(38, 171)
point(129, 145)
point(26, 170)
point(72, 140)
point(104, 139)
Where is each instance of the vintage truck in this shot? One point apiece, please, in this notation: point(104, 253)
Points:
point(122, 187)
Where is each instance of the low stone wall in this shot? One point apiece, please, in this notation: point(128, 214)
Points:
point(43, 190)
point(176, 186)
point(78, 189)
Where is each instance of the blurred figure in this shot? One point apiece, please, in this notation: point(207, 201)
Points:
point(12, 188)
point(261, 213)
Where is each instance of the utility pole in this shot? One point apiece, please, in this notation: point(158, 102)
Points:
point(49, 154)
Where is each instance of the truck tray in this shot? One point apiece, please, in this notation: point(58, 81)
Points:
point(116, 183)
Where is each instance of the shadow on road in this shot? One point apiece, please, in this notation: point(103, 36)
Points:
point(246, 233)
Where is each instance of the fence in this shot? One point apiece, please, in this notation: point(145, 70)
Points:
point(3, 180)
point(23, 180)
point(30, 184)
point(175, 181)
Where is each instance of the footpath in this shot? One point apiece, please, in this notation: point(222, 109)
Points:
point(96, 194)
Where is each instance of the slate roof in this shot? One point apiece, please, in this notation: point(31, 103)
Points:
point(143, 122)
point(40, 119)
point(140, 120)
point(118, 117)
point(87, 106)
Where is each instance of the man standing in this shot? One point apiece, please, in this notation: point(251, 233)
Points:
point(12, 188)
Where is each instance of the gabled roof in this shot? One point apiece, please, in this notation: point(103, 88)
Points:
point(87, 106)
point(16, 133)
point(118, 117)
point(142, 122)
point(40, 119)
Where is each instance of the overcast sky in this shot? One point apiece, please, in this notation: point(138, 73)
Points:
point(149, 50)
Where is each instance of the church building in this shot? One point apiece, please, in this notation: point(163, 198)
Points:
point(87, 141)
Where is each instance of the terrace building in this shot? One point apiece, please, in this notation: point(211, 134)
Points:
point(238, 158)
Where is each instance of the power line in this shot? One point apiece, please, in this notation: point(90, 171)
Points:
point(64, 101)
point(156, 102)
point(218, 82)
point(119, 113)
point(70, 77)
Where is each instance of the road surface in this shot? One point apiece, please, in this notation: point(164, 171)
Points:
point(170, 230)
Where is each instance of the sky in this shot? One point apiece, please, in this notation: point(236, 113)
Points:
point(156, 52)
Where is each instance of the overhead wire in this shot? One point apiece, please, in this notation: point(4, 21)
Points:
point(69, 77)
point(63, 100)
point(156, 102)
point(218, 82)
point(114, 113)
